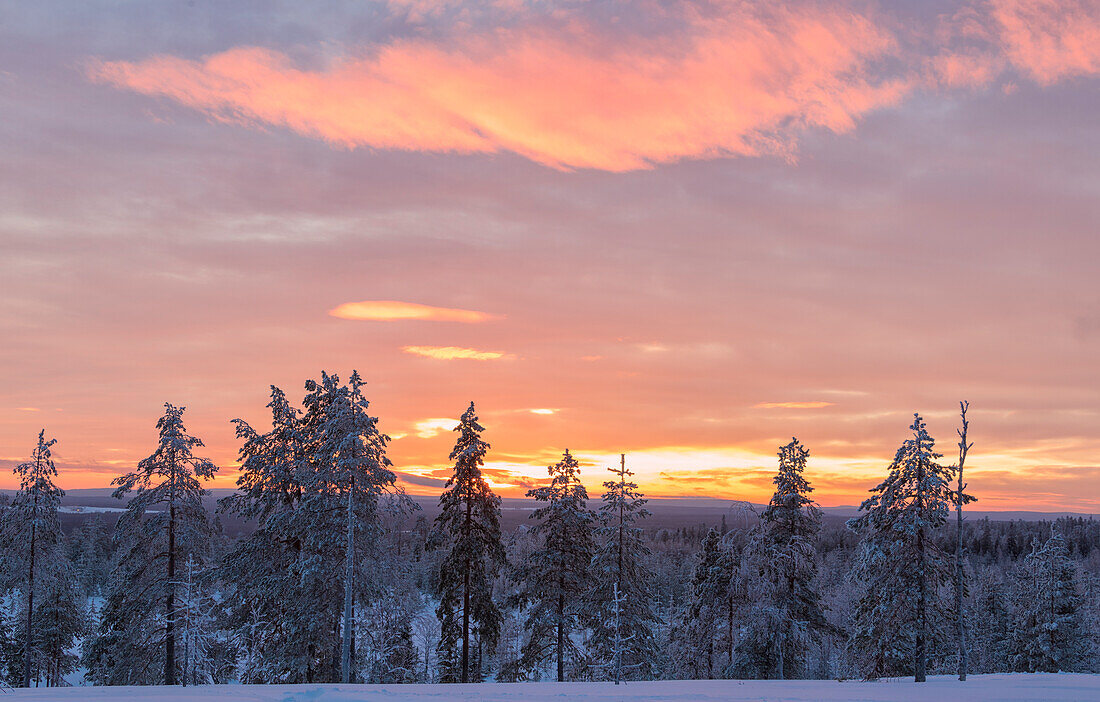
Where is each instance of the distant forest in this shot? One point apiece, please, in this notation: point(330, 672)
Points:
point(330, 573)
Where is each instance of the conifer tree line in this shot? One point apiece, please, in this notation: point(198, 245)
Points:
point(338, 576)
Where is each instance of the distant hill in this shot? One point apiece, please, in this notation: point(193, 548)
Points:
point(666, 512)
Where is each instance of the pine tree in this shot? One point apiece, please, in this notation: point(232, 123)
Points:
point(698, 626)
point(620, 611)
point(1048, 634)
point(783, 555)
point(901, 612)
point(168, 501)
point(349, 461)
point(60, 619)
point(469, 522)
point(314, 484)
point(555, 577)
point(272, 604)
point(992, 633)
point(36, 532)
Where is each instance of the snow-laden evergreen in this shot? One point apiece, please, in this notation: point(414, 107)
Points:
point(165, 523)
point(51, 614)
point(316, 484)
point(901, 619)
point(1049, 632)
point(783, 558)
point(620, 611)
point(468, 527)
point(705, 635)
point(554, 578)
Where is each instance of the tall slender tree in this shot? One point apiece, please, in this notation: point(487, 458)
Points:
point(36, 506)
point(350, 462)
point(620, 611)
point(469, 526)
point(555, 577)
point(899, 562)
point(961, 498)
point(169, 478)
point(783, 555)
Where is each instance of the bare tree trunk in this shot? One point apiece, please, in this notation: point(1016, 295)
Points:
point(349, 573)
point(170, 600)
point(920, 652)
point(466, 603)
point(964, 447)
point(30, 599)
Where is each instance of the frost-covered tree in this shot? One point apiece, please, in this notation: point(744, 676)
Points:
point(554, 578)
point(60, 619)
point(784, 561)
point(620, 607)
point(711, 601)
point(165, 522)
point(468, 527)
point(991, 634)
point(35, 533)
point(314, 484)
point(348, 461)
point(902, 612)
point(1048, 635)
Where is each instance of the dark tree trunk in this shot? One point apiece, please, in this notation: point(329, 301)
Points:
point(561, 631)
point(170, 602)
point(30, 600)
point(919, 652)
point(466, 604)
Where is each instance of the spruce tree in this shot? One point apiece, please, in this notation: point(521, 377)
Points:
point(620, 610)
point(314, 484)
point(60, 619)
point(1048, 635)
point(36, 532)
point(698, 627)
point(902, 612)
point(554, 578)
point(167, 501)
point(992, 634)
point(783, 555)
point(469, 526)
point(349, 463)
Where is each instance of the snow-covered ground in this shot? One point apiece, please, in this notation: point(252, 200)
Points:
point(1017, 688)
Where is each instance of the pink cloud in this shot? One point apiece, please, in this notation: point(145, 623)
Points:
point(1050, 39)
point(746, 81)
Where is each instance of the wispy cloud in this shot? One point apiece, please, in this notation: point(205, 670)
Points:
point(731, 78)
point(744, 81)
point(813, 404)
point(453, 353)
point(392, 310)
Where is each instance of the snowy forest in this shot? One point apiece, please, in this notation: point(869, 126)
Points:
point(338, 575)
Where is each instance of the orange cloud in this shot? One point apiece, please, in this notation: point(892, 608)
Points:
point(428, 428)
point(743, 81)
point(389, 311)
point(1050, 39)
point(793, 405)
point(451, 353)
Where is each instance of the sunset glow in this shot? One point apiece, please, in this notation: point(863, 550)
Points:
point(685, 231)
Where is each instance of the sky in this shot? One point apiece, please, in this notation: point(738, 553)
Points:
point(684, 230)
